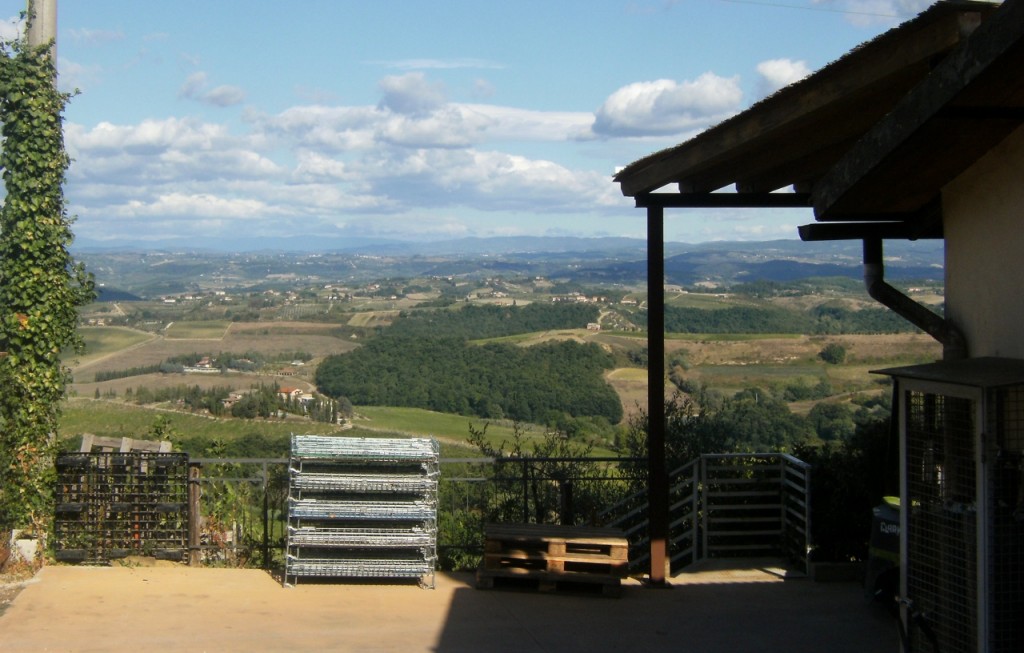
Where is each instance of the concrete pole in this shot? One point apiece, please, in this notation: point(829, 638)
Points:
point(42, 29)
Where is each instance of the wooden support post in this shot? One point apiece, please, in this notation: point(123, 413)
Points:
point(194, 514)
point(266, 519)
point(657, 472)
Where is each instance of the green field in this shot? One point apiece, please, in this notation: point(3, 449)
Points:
point(419, 422)
point(101, 341)
point(120, 419)
point(208, 330)
point(706, 301)
point(732, 337)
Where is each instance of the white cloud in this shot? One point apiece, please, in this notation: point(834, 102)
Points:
point(11, 28)
point(665, 106)
point(195, 88)
point(323, 128)
point(224, 96)
point(485, 180)
point(95, 36)
point(344, 129)
point(72, 75)
point(866, 13)
point(316, 166)
point(411, 94)
point(441, 64)
point(191, 206)
point(779, 73)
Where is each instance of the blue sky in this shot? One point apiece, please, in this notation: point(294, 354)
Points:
point(200, 121)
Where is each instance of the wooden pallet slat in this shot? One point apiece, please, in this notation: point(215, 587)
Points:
point(551, 556)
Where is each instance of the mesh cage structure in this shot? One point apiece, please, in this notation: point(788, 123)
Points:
point(941, 568)
point(1005, 421)
point(962, 452)
point(362, 508)
point(112, 505)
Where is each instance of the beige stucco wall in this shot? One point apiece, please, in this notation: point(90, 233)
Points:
point(983, 213)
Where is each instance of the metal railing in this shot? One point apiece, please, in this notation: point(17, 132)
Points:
point(726, 505)
point(720, 505)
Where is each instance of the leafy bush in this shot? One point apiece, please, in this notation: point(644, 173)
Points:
point(833, 353)
point(848, 479)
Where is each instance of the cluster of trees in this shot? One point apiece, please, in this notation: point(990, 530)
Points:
point(757, 419)
point(447, 374)
point(823, 319)
point(110, 375)
point(263, 400)
point(849, 475)
point(250, 361)
point(491, 321)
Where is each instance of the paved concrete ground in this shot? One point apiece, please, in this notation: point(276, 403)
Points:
point(182, 609)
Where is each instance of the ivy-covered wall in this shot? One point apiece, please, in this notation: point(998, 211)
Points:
point(41, 286)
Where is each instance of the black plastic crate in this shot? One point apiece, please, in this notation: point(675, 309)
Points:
point(112, 505)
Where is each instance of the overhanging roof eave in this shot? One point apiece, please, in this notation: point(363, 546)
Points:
point(915, 125)
point(794, 117)
point(723, 200)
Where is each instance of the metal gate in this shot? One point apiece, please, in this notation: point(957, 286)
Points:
point(727, 505)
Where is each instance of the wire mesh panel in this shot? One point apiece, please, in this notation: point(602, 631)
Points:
point(1005, 521)
point(114, 504)
point(362, 507)
point(942, 528)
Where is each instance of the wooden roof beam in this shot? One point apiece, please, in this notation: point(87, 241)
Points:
point(873, 165)
point(936, 32)
point(723, 200)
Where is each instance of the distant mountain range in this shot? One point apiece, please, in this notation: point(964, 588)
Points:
point(594, 261)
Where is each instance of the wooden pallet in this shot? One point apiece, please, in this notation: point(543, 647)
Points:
point(553, 556)
point(544, 582)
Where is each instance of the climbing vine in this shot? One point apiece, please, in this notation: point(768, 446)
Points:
point(41, 286)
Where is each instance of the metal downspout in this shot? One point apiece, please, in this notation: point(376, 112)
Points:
point(954, 345)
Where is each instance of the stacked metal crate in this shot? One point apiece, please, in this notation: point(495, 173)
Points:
point(362, 508)
point(115, 504)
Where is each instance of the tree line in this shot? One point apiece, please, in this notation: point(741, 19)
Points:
point(447, 374)
point(825, 319)
point(477, 321)
point(250, 361)
point(262, 400)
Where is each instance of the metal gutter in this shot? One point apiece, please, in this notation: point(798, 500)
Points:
point(954, 344)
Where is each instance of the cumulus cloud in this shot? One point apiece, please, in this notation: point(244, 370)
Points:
point(665, 106)
point(411, 94)
point(485, 180)
point(779, 73)
point(314, 166)
point(451, 125)
point(183, 205)
point(196, 88)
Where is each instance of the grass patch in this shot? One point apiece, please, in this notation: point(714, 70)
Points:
point(421, 423)
point(706, 301)
point(206, 330)
point(628, 374)
point(101, 341)
point(120, 419)
point(732, 337)
point(369, 319)
point(536, 337)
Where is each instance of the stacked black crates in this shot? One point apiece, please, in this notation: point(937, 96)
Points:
point(112, 505)
point(362, 508)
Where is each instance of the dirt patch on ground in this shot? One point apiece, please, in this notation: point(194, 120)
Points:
point(107, 610)
point(13, 579)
